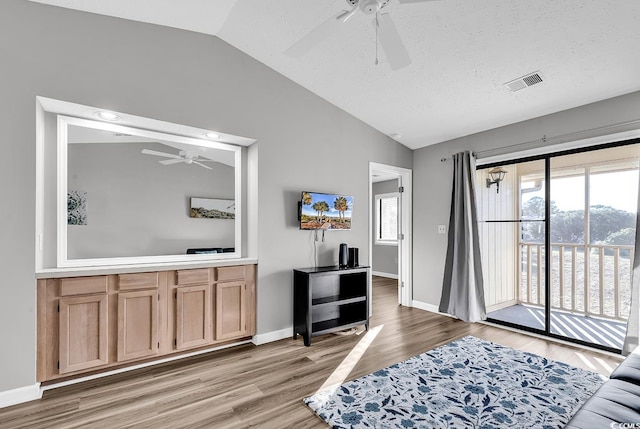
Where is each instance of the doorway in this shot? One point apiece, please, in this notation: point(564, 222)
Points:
point(390, 220)
point(557, 242)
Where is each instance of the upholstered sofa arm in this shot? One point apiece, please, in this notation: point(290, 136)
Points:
point(616, 401)
point(629, 369)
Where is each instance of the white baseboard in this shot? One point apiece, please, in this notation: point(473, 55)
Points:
point(269, 337)
point(424, 306)
point(387, 275)
point(20, 395)
point(429, 307)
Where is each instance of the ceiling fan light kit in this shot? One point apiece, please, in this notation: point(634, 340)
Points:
point(386, 32)
point(370, 7)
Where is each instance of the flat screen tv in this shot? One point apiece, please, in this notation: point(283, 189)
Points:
point(325, 211)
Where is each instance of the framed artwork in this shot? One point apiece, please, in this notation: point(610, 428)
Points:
point(211, 208)
point(76, 208)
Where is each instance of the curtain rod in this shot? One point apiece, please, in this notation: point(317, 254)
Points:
point(445, 159)
point(545, 139)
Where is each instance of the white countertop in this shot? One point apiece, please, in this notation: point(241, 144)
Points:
point(54, 273)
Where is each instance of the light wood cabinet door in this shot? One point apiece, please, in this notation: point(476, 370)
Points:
point(231, 310)
point(193, 316)
point(137, 324)
point(83, 332)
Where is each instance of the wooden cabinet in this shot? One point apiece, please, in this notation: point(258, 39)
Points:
point(137, 324)
point(98, 322)
point(138, 315)
point(193, 316)
point(231, 310)
point(83, 332)
point(192, 308)
point(329, 299)
point(83, 323)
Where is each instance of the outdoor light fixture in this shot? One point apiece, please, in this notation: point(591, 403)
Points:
point(497, 176)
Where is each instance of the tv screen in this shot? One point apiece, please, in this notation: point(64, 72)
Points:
point(325, 211)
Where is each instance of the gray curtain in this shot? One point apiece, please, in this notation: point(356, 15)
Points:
point(462, 288)
point(633, 325)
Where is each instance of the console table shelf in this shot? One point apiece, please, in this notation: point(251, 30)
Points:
point(329, 299)
point(333, 300)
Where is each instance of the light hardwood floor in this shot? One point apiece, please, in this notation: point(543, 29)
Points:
point(263, 386)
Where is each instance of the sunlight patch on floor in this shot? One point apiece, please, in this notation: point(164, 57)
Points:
point(586, 361)
point(605, 365)
point(343, 370)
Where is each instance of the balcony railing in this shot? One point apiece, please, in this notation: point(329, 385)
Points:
point(596, 285)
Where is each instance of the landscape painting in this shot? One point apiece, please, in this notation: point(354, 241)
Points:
point(211, 208)
point(325, 211)
point(76, 208)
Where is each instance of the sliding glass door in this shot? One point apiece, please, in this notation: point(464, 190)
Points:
point(513, 267)
point(557, 243)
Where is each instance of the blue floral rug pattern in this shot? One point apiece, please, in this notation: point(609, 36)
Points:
point(468, 383)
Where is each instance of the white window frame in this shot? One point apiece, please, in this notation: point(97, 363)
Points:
point(378, 197)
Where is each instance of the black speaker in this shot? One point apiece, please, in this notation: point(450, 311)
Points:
point(343, 256)
point(353, 257)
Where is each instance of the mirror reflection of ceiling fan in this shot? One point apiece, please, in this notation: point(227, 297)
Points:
point(386, 31)
point(187, 157)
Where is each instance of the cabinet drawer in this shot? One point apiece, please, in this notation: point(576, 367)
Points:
point(230, 273)
point(137, 281)
point(189, 277)
point(83, 285)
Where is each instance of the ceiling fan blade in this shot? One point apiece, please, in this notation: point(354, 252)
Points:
point(202, 165)
point(316, 35)
point(344, 17)
point(414, 1)
point(156, 153)
point(391, 42)
point(172, 161)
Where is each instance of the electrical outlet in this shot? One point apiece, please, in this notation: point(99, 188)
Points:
point(442, 229)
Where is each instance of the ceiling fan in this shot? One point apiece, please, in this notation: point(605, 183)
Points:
point(187, 157)
point(386, 31)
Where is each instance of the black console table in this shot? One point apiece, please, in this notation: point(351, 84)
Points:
point(329, 299)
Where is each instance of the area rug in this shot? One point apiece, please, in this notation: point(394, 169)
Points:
point(468, 383)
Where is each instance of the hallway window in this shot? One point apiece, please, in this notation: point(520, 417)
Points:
point(387, 218)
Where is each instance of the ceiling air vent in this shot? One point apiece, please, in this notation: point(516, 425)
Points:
point(524, 81)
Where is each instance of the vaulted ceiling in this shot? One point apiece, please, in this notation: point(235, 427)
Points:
point(462, 52)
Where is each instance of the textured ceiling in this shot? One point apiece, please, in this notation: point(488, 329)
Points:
point(463, 51)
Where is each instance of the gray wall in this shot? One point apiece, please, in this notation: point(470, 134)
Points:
point(185, 78)
point(139, 207)
point(384, 257)
point(432, 178)
point(177, 76)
